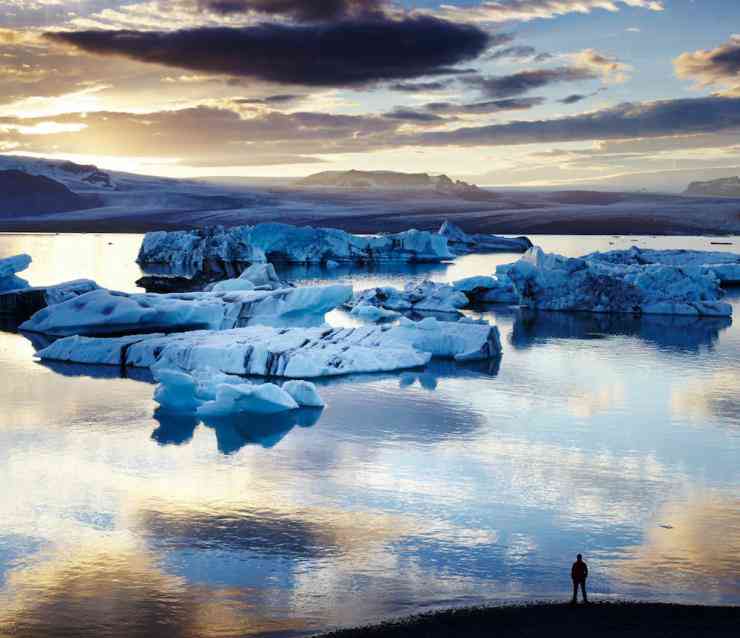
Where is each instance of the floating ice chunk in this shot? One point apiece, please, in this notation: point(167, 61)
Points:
point(8, 269)
point(297, 353)
point(427, 296)
point(372, 313)
point(221, 249)
point(232, 285)
point(462, 243)
point(262, 275)
point(726, 266)
point(483, 289)
point(23, 303)
point(304, 393)
point(554, 282)
point(103, 312)
point(265, 398)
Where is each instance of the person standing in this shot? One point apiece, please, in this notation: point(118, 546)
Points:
point(579, 574)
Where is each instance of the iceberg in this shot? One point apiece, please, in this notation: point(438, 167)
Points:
point(429, 296)
point(217, 249)
point(297, 353)
point(25, 302)
point(209, 393)
point(256, 277)
point(553, 282)
point(9, 266)
point(726, 266)
point(105, 312)
point(462, 244)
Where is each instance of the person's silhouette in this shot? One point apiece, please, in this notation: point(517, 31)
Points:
point(579, 574)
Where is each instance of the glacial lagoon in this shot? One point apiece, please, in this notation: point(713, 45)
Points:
point(613, 436)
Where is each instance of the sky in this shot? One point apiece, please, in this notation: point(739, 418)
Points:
point(503, 92)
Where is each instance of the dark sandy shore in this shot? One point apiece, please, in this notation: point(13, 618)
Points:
point(553, 620)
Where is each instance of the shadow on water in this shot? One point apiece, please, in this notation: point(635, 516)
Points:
point(676, 333)
point(236, 431)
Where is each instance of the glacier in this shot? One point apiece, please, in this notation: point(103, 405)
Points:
point(725, 265)
point(106, 312)
point(297, 353)
point(9, 266)
point(553, 282)
point(219, 250)
point(462, 244)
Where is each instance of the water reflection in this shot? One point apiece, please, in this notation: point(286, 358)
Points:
point(236, 431)
point(682, 334)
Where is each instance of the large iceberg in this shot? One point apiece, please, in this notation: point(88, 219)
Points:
point(726, 266)
point(23, 303)
point(218, 250)
point(9, 266)
point(105, 312)
point(553, 282)
point(298, 353)
point(462, 244)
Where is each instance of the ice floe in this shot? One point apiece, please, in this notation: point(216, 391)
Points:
point(222, 250)
point(461, 243)
point(23, 303)
point(553, 282)
point(298, 353)
point(105, 312)
point(9, 266)
point(725, 265)
point(210, 393)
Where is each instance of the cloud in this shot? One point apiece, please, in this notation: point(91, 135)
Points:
point(611, 70)
point(299, 10)
point(420, 87)
point(346, 53)
point(281, 98)
point(519, 52)
point(410, 115)
point(490, 106)
point(503, 86)
point(712, 66)
point(575, 98)
point(506, 10)
point(629, 120)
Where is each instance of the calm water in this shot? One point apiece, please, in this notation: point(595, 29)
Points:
point(614, 437)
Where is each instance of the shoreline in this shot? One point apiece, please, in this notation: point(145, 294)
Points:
point(610, 619)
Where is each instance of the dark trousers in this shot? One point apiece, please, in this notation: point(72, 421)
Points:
point(582, 585)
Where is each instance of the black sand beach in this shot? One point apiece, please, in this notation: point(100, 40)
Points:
point(553, 620)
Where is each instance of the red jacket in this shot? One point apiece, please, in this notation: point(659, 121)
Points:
point(579, 571)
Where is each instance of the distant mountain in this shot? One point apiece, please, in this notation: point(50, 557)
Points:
point(21, 192)
point(726, 187)
point(392, 181)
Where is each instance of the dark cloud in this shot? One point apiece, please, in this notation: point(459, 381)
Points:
point(411, 115)
point(574, 98)
point(503, 86)
point(490, 106)
point(713, 66)
point(346, 53)
point(628, 120)
point(283, 98)
point(519, 52)
point(420, 87)
point(299, 10)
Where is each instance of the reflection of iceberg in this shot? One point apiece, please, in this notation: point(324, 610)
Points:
point(234, 432)
point(677, 332)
